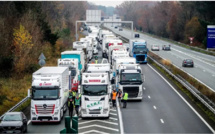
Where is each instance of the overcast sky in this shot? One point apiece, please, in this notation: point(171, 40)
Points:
point(112, 3)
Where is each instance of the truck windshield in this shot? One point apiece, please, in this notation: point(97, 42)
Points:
point(45, 93)
point(130, 77)
point(94, 90)
point(139, 49)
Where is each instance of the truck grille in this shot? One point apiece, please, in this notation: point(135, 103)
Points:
point(132, 91)
point(95, 111)
point(140, 57)
point(45, 109)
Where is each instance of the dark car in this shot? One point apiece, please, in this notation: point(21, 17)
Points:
point(136, 36)
point(120, 29)
point(166, 47)
point(13, 122)
point(116, 27)
point(187, 63)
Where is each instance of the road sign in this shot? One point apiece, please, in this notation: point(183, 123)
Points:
point(42, 62)
point(211, 36)
point(42, 57)
point(191, 39)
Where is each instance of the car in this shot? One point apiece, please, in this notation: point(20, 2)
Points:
point(187, 63)
point(136, 36)
point(155, 48)
point(13, 122)
point(166, 47)
point(116, 27)
point(120, 29)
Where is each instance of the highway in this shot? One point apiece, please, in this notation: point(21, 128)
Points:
point(161, 111)
point(204, 65)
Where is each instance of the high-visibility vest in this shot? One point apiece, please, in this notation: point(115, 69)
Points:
point(77, 101)
point(125, 96)
point(96, 61)
point(114, 95)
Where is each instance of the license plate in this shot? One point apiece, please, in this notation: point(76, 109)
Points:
point(94, 115)
point(45, 119)
point(9, 131)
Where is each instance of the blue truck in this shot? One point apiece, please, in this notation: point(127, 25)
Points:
point(138, 49)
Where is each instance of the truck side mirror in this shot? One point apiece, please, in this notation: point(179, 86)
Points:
point(29, 93)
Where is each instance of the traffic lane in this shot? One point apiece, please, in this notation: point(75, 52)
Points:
point(47, 127)
point(198, 71)
point(151, 40)
point(166, 118)
point(202, 76)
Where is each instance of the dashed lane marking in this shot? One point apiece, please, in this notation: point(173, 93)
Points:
point(113, 118)
point(154, 107)
point(149, 97)
point(161, 120)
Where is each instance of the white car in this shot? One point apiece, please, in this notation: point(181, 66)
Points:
point(155, 48)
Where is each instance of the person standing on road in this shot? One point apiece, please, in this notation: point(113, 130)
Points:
point(113, 97)
point(96, 59)
point(77, 103)
point(125, 98)
point(70, 103)
point(119, 95)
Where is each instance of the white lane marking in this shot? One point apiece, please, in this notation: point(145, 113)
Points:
point(98, 121)
point(184, 100)
point(113, 110)
point(120, 117)
point(161, 120)
point(29, 122)
point(99, 126)
point(149, 97)
point(144, 88)
point(113, 114)
point(94, 131)
point(154, 107)
point(113, 118)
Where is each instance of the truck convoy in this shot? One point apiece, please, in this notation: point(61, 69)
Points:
point(95, 90)
point(138, 49)
point(50, 88)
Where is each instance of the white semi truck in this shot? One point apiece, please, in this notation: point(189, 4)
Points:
point(50, 89)
point(95, 90)
point(72, 64)
point(84, 44)
point(130, 79)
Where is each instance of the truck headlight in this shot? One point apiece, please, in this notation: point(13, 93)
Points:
point(56, 112)
point(33, 113)
point(140, 93)
point(105, 110)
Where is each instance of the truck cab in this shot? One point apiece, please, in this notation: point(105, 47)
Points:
point(50, 90)
point(138, 49)
point(130, 79)
point(95, 90)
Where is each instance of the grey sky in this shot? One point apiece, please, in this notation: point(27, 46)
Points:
point(113, 3)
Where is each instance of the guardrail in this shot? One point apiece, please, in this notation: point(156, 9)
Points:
point(16, 106)
point(195, 93)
